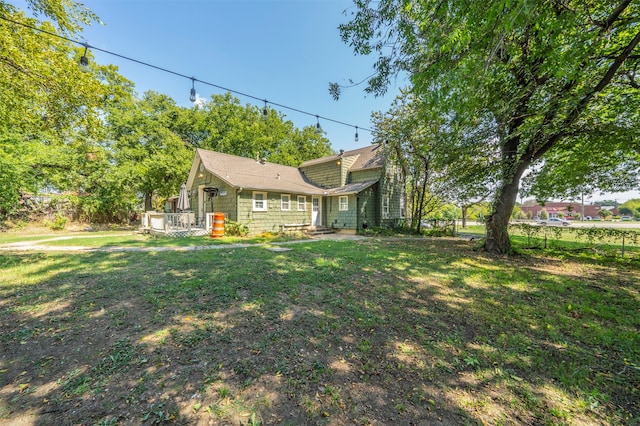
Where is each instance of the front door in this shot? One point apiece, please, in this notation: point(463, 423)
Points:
point(316, 211)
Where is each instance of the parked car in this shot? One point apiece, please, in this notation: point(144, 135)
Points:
point(554, 221)
point(626, 218)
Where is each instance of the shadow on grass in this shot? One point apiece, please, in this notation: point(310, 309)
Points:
point(393, 332)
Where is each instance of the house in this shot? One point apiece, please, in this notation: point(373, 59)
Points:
point(347, 192)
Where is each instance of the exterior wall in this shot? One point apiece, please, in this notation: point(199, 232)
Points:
point(392, 187)
point(223, 204)
point(272, 219)
point(330, 174)
point(342, 219)
point(363, 175)
point(368, 211)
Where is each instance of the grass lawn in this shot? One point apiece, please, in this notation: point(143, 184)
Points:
point(129, 239)
point(378, 331)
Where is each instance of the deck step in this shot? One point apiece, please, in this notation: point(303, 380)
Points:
point(320, 230)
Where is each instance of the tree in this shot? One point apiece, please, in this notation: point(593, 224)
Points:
point(422, 144)
point(224, 125)
point(548, 78)
point(630, 207)
point(544, 215)
point(150, 157)
point(604, 213)
point(50, 111)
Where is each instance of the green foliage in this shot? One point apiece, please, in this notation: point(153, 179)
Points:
point(590, 235)
point(604, 213)
point(235, 229)
point(58, 223)
point(544, 214)
point(630, 207)
point(527, 84)
point(222, 124)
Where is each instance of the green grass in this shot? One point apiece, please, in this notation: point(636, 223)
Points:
point(132, 239)
point(381, 331)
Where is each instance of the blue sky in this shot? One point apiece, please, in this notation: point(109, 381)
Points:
point(283, 51)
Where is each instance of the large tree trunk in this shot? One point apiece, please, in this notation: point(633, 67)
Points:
point(464, 216)
point(147, 202)
point(497, 236)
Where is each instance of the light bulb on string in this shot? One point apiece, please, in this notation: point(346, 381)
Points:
point(356, 138)
point(84, 61)
point(192, 95)
point(265, 111)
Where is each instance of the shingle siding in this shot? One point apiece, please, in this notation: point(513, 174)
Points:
point(341, 219)
point(326, 175)
point(272, 219)
point(393, 187)
point(220, 204)
point(368, 214)
point(365, 175)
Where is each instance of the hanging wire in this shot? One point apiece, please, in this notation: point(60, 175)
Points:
point(193, 79)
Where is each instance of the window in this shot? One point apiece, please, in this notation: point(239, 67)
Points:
point(343, 203)
point(302, 203)
point(285, 202)
point(385, 207)
point(259, 201)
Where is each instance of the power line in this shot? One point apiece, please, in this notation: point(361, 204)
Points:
point(192, 78)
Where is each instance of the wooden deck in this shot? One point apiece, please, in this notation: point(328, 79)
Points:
point(176, 225)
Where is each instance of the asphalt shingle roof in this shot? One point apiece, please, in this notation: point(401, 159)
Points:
point(247, 173)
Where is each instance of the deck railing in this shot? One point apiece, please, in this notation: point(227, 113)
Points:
point(167, 222)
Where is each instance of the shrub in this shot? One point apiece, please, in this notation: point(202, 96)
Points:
point(58, 224)
point(235, 229)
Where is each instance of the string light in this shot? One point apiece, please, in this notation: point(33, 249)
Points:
point(356, 138)
point(192, 95)
point(265, 111)
point(84, 63)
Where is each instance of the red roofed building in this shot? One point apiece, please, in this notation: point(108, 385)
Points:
point(568, 209)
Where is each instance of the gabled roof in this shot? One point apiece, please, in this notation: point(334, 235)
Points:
point(241, 172)
point(369, 157)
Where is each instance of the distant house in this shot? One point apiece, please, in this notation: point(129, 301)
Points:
point(347, 192)
point(567, 209)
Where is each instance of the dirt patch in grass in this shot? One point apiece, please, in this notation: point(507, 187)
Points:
point(420, 331)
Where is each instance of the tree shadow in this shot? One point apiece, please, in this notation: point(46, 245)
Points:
point(394, 332)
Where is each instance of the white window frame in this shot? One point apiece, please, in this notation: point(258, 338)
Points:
point(302, 203)
point(385, 207)
point(256, 201)
point(285, 202)
point(343, 207)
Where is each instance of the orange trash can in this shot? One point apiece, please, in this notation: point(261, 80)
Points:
point(218, 225)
